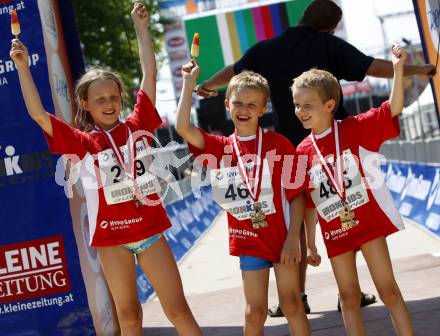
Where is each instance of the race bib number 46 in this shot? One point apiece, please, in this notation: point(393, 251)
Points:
point(116, 185)
point(231, 194)
point(326, 199)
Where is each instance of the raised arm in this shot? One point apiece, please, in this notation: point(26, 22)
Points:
point(147, 58)
point(219, 80)
point(191, 134)
point(19, 55)
point(397, 90)
point(384, 69)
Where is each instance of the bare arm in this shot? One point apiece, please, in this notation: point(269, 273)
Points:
point(191, 134)
point(311, 218)
point(384, 69)
point(147, 58)
point(219, 80)
point(291, 252)
point(310, 222)
point(19, 55)
point(397, 91)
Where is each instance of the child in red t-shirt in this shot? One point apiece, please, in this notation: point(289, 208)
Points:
point(126, 217)
point(252, 176)
point(355, 209)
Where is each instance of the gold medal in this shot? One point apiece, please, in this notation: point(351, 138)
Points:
point(347, 217)
point(346, 214)
point(258, 217)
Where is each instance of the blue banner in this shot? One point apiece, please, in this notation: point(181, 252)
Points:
point(416, 191)
point(41, 285)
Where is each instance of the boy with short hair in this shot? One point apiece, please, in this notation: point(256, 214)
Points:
point(250, 181)
point(355, 209)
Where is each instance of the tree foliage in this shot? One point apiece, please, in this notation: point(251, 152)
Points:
point(108, 38)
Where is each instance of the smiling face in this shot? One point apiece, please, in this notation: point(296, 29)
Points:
point(246, 106)
point(103, 102)
point(311, 110)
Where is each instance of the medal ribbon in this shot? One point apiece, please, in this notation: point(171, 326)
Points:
point(339, 167)
point(128, 165)
point(255, 189)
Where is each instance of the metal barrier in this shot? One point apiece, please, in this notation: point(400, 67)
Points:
point(425, 151)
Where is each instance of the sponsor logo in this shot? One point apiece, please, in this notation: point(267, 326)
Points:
point(104, 225)
point(33, 269)
point(219, 175)
point(339, 204)
point(176, 41)
point(338, 232)
point(120, 224)
point(178, 55)
point(235, 232)
point(16, 168)
point(10, 162)
point(249, 207)
point(177, 72)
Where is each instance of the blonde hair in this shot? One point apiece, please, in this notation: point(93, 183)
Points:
point(249, 80)
point(83, 119)
point(323, 82)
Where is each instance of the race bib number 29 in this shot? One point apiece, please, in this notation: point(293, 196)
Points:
point(116, 185)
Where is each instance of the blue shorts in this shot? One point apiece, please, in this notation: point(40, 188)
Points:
point(248, 263)
point(142, 245)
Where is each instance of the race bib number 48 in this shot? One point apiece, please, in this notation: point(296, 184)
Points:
point(326, 199)
point(231, 193)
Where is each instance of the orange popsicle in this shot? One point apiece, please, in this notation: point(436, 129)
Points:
point(195, 45)
point(15, 24)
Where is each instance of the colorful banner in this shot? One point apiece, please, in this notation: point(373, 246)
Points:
point(416, 192)
point(225, 36)
point(428, 19)
point(42, 290)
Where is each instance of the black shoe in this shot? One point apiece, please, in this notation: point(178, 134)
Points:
point(305, 303)
point(276, 311)
point(366, 300)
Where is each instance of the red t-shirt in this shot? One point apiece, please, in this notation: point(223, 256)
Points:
point(360, 138)
point(119, 222)
point(264, 242)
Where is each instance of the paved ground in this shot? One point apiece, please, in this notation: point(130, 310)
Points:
point(212, 284)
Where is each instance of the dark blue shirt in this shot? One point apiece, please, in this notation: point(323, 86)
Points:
point(285, 57)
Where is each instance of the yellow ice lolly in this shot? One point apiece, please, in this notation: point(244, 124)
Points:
point(15, 24)
point(195, 45)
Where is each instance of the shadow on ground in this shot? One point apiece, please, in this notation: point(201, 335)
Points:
point(425, 315)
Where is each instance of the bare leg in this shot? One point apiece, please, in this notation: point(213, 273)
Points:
point(159, 265)
point(303, 262)
point(379, 263)
point(255, 286)
point(344, 269)
point(288, 286)
point(119, 270)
